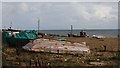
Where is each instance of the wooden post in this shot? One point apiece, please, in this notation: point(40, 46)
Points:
point(104, 48)
point(26, 65)
point(58, 52)
point(38, 62)
point(30, 63)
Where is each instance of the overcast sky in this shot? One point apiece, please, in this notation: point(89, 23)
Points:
point(60, 15)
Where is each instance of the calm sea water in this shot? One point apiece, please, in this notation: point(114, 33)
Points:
point(106, 33)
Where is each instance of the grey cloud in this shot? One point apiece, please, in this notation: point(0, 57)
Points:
point(60, 0)
point(60, 15)
point(0, 15)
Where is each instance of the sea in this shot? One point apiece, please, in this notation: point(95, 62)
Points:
point(89, 32)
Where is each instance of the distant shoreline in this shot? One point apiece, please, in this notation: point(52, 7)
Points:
point(100, 32)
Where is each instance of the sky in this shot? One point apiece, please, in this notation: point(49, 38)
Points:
point(60, 15)
point(59, 0)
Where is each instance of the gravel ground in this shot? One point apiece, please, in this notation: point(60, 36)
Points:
point(98, 57)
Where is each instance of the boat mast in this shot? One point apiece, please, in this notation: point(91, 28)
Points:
point(38, 25)
point(71, 29)
point(10, 24)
